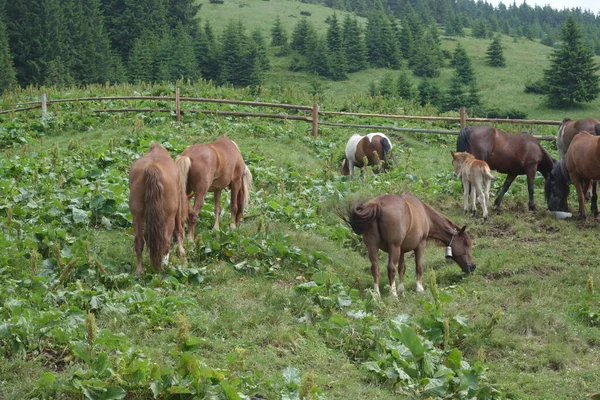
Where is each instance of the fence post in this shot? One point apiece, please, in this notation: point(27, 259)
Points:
point(177, 105)
point(44, 105)
point(315, 120)
point(463, 117)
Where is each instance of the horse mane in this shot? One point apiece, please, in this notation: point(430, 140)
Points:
point(441, 219)
point(462, 143)
point(597, 129)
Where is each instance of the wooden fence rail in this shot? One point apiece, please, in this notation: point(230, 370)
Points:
point(313, 118)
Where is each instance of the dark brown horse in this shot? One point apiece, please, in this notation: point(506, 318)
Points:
point(569, 128)
point(158, 203)
point(212, 167)
point(400, 224)
point(580, 166)
point(507, 153)
point(376, 147)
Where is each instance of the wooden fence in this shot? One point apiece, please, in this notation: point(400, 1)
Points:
point(313, 113)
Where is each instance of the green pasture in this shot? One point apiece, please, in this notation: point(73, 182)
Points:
point(270, 310)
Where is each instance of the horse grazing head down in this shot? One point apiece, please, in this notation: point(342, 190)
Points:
point(557, 188)
point(461, 245)
point(370, 150)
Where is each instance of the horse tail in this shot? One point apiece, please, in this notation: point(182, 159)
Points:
point(362, 215)
point(597, 129)
point(154, 214)
point(246, 185)
point(488, 173)
point(386, 146)
point(463, 142)
point(183, 166)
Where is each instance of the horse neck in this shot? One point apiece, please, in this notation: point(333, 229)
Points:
point(546, 164)
point(440, 227)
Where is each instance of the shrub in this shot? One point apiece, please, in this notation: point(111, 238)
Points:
point(536, 87)
point(306, 13)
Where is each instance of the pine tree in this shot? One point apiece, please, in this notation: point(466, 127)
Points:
point(428, 61)
point(258, 41)
point(429, 92)
point(353, 44)
point(278, 34)
point(318, 61)
point(456, 97)
point(404, 87)
point(382, 47)
point(303, 33)
point(462, 64)
point(337, 56)
point(141, 63)
point(231, 60)
point(573, 74)
point(8, 76)
point(494, 54)
point(183, 60)
point(207, 53)
point(479, 30)
point(23, 26)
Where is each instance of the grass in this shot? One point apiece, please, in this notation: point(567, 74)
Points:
point(531, 275)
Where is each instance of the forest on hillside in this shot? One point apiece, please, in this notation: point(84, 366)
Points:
point(66, 42)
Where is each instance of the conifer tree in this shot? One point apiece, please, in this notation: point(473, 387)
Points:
point(141, 63)
point(353, 44)
point(232, 67)
point(494, 54)
point(479, 30)
point(207, 53)
point(183, 60)
point(303, 33)
point(428, 61)
point(573, 74)
point(406, 41)
point(382, 47)
point(8, 76)
point(260, 47)
point(336, 52)
point(318, 61)
point(405, 88)
point(456, 96)
point(429, 92)
point(278, 34)
point(462, 64)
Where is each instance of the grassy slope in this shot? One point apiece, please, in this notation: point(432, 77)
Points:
point(532, 270)
point(500, 87)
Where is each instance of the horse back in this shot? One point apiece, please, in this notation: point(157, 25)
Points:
point(583, 157)
point(569, 129)
point(403, 221)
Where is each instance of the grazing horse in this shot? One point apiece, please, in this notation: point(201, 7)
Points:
point(569, 128)
point(400, 224)
point(375, 146)
point(507, 153)
point(580, 166)
point(158, 203)
point(212, 167)
point(567, 131)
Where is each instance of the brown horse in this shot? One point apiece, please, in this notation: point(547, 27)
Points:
point(400, 224)
point(569, 128)
point(567, 131)
point(375, 146)
point(580, 167)
point(157, 202)
point(212, 167)
point(507, 153)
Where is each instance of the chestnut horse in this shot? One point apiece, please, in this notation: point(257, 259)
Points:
point(567, 131)
point(580, 166)
point(212, 167)
point(569, 128)
point(510, 154)
point(400, 224)
point(375, 146)
point(158, 203)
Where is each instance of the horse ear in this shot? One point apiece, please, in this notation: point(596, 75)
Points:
point(463, 229)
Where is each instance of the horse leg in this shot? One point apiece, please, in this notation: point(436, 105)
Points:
point(481, 197)
point(419, 264)
point(474, 189)
point(236, 192)
point(169, 229)
point(580, 187)
point(589, 190)
point(394, 255)
point(372, 250)
point(595, 198)
point(351, 168)
point(401, 271)
point(466, 187)
point(530, 178)
point(138, 227)
point(198, 203)
point(509, 180)
point(217, 209)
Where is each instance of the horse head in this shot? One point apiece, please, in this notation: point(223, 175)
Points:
point(556, 188)
point(461, 244)
point(345, 171)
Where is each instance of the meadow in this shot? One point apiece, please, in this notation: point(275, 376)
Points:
point(282, 307)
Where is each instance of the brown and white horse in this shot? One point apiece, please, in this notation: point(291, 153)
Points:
point(212, 167)
point(158, 203)
point(376, 147)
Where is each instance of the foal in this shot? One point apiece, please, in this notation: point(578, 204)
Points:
point(475, 174)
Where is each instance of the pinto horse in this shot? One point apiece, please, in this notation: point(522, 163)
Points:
point(400, 224)
point(507, 153)
point(212, 167)
point(375, 146)
point(158, 203)
point(580, 166)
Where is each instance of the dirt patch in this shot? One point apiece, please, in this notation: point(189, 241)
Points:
point(500, 274)
point(545, 270)
point(501, 229)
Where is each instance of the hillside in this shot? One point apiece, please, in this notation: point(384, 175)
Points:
point(281, 308)
point(500, 87)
